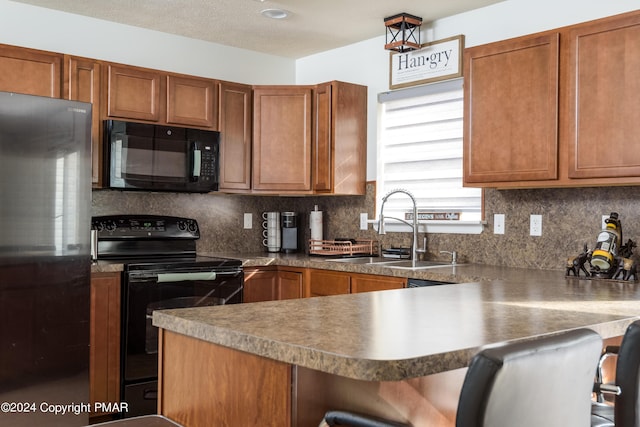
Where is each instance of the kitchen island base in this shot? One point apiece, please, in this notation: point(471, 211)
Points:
point(204, 384)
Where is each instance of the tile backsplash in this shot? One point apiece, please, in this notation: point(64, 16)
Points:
point(570, 218)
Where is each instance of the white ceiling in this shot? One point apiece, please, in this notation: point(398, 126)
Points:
point(312, 26)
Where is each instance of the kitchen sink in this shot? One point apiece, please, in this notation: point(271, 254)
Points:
point(361, 260)
point(391, 263)
point(419, 264)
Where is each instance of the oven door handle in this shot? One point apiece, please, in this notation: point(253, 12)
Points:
point(183, 277)
point(159, 277)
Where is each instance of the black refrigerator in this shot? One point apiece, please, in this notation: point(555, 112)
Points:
point(45, 221)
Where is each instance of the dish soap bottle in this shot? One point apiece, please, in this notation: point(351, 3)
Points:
point(608, 244)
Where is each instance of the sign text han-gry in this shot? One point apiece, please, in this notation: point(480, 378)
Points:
point(432, 60)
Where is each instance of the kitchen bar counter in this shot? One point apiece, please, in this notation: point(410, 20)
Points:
point(398, 354)
point(399, 334)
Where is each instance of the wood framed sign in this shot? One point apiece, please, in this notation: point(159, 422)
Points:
point(438, 60)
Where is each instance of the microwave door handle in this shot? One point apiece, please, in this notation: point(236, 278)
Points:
point(196, 161)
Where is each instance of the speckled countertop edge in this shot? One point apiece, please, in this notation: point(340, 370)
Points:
point(609, 320)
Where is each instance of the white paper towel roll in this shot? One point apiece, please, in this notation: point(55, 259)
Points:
point(315, 221)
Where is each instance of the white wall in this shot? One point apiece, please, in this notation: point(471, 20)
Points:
point(46, 29)
point(367, 62)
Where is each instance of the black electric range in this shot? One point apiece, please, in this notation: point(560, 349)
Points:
point(161, 271)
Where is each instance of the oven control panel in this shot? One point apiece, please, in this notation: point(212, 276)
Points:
point(122, 227)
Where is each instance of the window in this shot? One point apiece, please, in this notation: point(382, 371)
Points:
point(420, 150)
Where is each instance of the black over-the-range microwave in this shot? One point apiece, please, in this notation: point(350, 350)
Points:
point(142, 156)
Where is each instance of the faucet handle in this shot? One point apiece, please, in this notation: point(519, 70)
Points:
point(454, 256)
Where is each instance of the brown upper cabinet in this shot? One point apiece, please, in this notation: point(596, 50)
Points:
point(282, 129)
point(235, 109)
point(340, 141)
point(310, 139)
point(554, 108)
point(511, 110)
point(274, 139)
point(82, 79)
point(192, 101)
point(29, 71)
point(133, 93)
point(603, 83)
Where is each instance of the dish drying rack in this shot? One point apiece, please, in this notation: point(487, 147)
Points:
point(343, 247)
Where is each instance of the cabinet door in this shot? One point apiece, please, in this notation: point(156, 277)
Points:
point(104, 359)
point(289, 284)
point(323, 141)
point(235, 136)
point(133, 93)
point(282, 139)
point(260, 285)
point(326, 282)
point(29, 71)
point(369, 283)
point(340, 140)
point(192, 101)
point(82, 83)
point(511, 110)
point(603, 87)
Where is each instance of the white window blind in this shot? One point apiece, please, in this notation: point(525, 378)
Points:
point(420, 150)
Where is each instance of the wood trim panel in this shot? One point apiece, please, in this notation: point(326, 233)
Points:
point(203, 385)
point(82, 79)
point(323, 144)
point(349, 133)
point(235, 110)
point(104, 352)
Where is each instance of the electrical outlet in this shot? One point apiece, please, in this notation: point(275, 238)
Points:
point(248, 221)
point(498, 223)
point(364, 221)
point(535, 225)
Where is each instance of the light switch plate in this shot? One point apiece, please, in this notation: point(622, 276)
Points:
point(498, 223)
point(364, 218)
point(535, 225)
point(248, 221)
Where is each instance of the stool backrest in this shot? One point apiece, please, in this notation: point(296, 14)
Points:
point(542, 382)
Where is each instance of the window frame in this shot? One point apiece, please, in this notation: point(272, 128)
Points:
point(429, 226)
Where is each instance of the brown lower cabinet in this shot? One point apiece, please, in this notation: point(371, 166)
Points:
point(104, 355)
point(279, 283)
point(326, 282)
point(272, 283)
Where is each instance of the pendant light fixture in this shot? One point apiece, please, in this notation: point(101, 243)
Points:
point(403, 32)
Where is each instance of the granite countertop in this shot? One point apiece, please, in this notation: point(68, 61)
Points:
point(398, 334)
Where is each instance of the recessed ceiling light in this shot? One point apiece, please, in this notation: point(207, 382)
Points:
point(275, 13)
